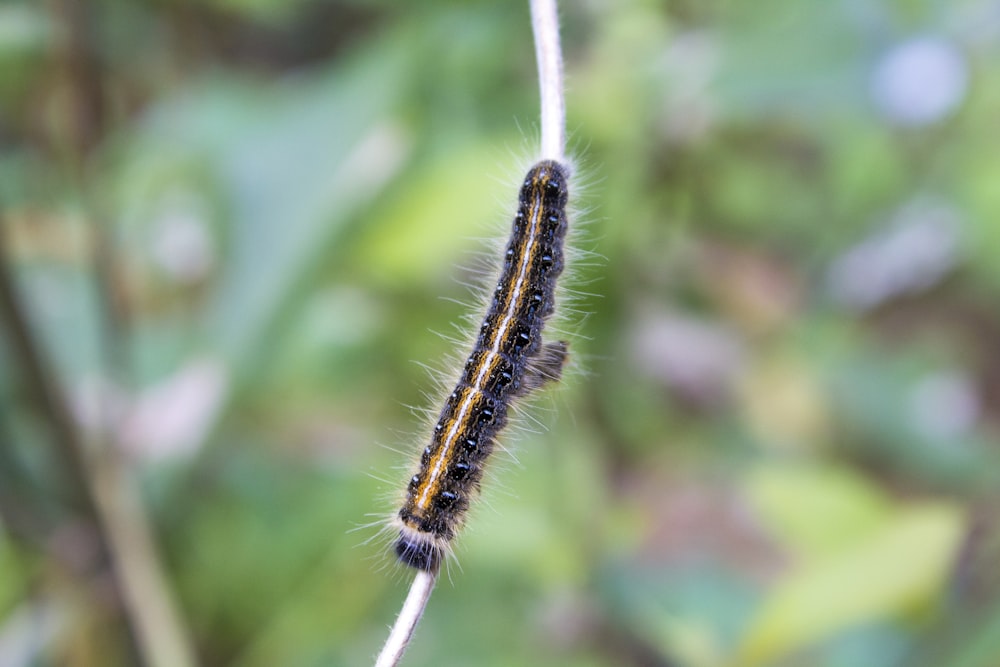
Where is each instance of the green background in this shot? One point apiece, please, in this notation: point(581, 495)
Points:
point(234, 227)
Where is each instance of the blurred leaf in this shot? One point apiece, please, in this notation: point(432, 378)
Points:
point(789, 498)
point(64, 309)
point(784, 406)
point(982, 646)
point(877, 396)
point(435, 214)
point(22, 27)
point(759, 78)
point(901, 565)
point(690, 614)
point(262, 10)
point(294, 163)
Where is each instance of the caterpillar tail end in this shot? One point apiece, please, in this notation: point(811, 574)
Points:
point(418, 552)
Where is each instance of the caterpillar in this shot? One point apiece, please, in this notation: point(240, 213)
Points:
point(508, 360)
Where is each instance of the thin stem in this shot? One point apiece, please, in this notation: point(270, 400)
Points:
point(406, 622)
point(42, 386)
point(147, 596)
point(148, 600)
point(100, 476)
point(545, 23)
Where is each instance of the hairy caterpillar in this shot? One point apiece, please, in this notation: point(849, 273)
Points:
point(507, 361)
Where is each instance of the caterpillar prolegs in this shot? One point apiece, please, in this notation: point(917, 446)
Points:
point(508, 360)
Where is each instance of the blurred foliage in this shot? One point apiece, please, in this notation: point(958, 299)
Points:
point(236, 224)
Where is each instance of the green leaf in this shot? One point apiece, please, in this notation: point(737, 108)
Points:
point(790, 498)
point(899, 566)
point(436, 214)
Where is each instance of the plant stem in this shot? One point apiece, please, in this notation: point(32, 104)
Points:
point(406, 622)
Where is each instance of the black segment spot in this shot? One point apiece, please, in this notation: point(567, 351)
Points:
point(521, 340)
point(535, 301)
point(470, 363)
point(445, 500)
point(460, 471)
point(520, 222)
point(499, 383)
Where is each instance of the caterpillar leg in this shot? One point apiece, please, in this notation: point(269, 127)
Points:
point(546, 366)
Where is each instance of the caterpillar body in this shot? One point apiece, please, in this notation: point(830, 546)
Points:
point(508, 360)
